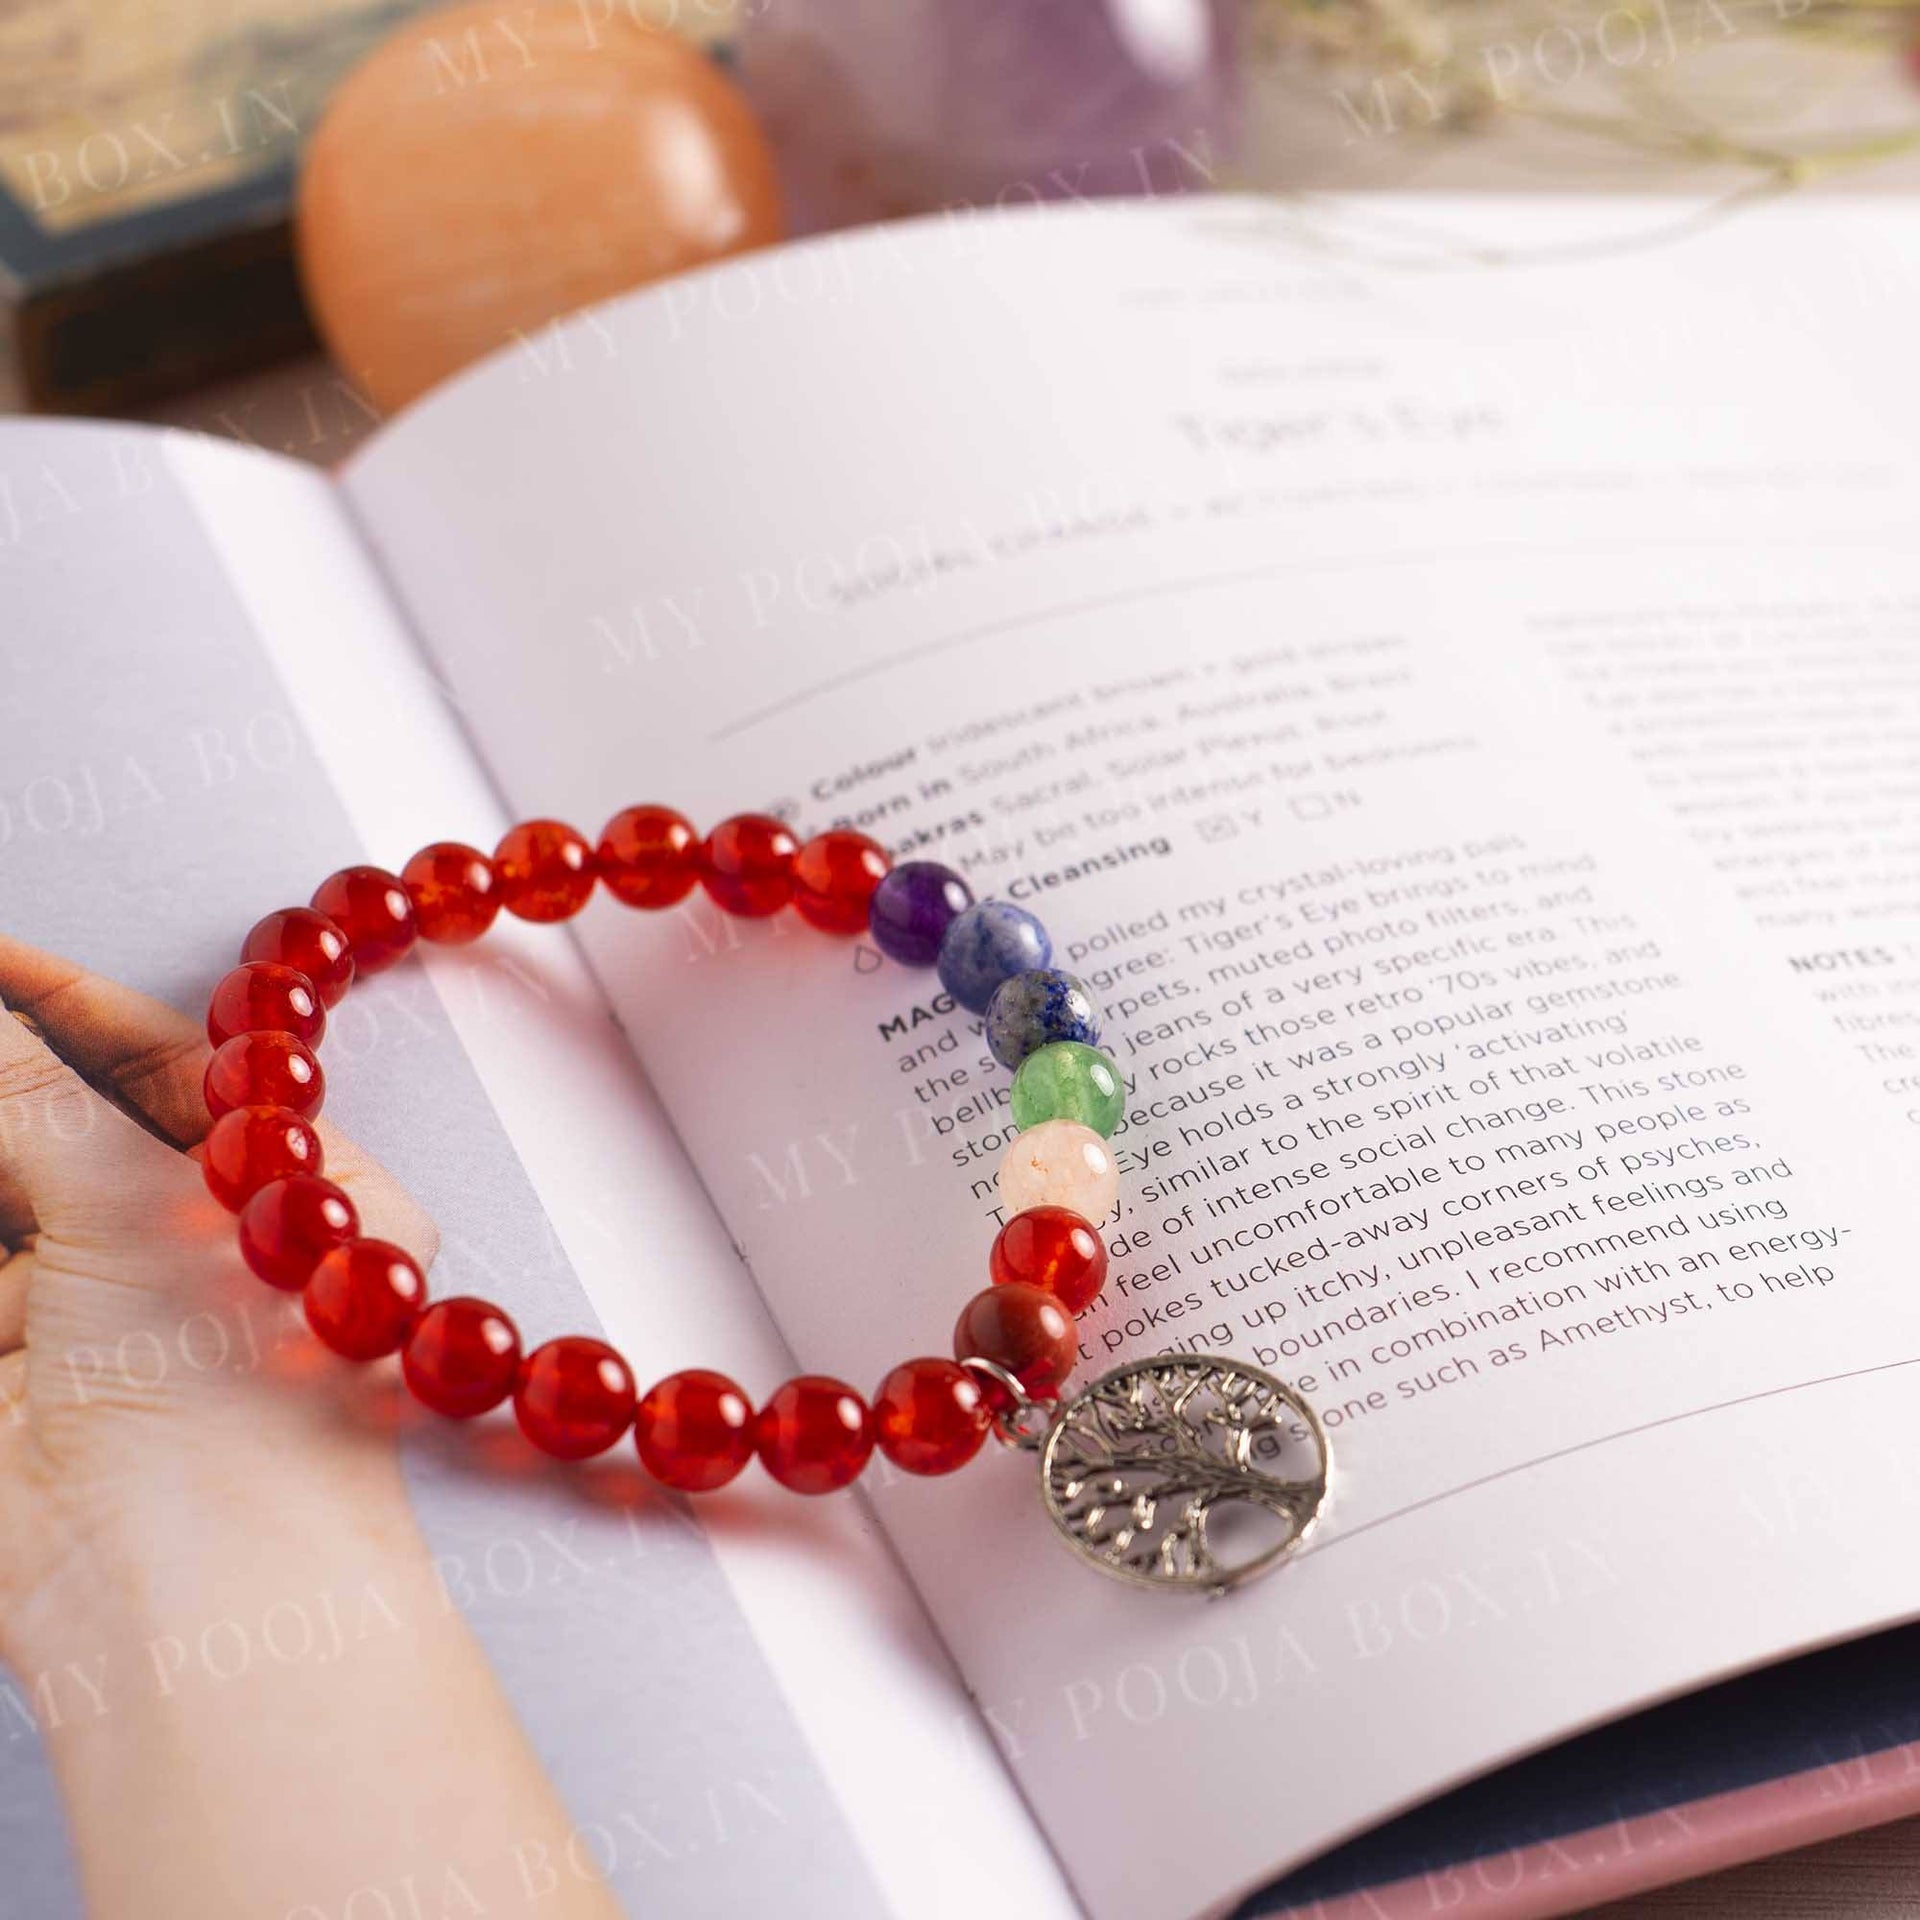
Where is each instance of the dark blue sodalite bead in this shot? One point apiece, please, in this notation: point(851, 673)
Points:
point(913, 907)
point(987, 944)
point(1032, 1010)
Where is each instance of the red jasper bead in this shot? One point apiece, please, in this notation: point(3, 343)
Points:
point(454, 893)
point(694, 1430)
point(930, 1416)
point(545, 870)
point(264, 1070)
point(1054, 1249)
point(249, 1146)
point(834, 876)
point(308, 942)
point(574, 1397)
point(264, 997)
point(746, 865)
point(1022, 1329)
point(814, 1434)
point(288, 1226)
point(649, 856)
point(462, 1357)
point(371, 907)
point(364, 1297)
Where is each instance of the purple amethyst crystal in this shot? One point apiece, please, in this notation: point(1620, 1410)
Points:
point(887, 107)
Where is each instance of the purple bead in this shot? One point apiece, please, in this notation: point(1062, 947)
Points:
point(912, 909)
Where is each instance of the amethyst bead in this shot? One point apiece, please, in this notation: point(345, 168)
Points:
point(912, 909)
point(1032, 1010)
point(987, 944)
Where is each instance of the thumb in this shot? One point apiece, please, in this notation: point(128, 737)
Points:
point(76, 1160)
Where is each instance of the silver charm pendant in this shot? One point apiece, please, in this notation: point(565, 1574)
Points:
point(1181, 1473)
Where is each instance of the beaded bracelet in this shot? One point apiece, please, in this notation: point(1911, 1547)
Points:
point(1132, 1470)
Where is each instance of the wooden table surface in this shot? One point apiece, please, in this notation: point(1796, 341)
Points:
point(1307, 138)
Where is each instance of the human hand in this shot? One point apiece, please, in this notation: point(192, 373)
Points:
point(176, 1477)
point(144, 1373)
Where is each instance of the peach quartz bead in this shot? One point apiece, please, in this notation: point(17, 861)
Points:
point(1060, 1163)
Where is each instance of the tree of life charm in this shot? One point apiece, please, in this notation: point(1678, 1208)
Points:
point(1184, 1473)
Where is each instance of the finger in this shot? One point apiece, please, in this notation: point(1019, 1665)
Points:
point(141, 1050)
point(16, 1275)
point(153, 1057)
point(67, 1155)
point(13, 1419)
point(387, 1210)
point(16, 1210)
point(15, 1434)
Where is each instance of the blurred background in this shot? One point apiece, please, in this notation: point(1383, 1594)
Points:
point(149, 150)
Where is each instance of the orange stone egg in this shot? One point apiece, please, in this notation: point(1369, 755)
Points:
point(485, 171)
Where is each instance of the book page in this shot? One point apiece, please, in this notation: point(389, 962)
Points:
point(1210, 579)
point(1780, 726)
point(212, 707)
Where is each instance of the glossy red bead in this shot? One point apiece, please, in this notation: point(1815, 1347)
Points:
point(746, 865)
point(264, 997)
point(545, 870)
point(814, 1435)
point(649, 856)
point(288, 1226)
point(363, 1298)
point(308, 942)
point(462, 1357)
point(249, 1146)
point(454, 892)
point(264, 1070)
point(694, 1430)
point(374, 911)
point(834, 876)
point(1054, 1249)
point(930, 1416)
point(1022, 1329)
point(574, 1397)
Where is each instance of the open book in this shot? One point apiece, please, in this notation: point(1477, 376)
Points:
point(1446, 675)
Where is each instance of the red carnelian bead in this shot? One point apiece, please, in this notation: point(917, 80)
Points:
point(930, 1416)
point(264, 997)
point(574, 1397)
point(250, 1146)
point(371, 907)
point(462, 1357)
point(746, 864)
point(290, 1223)
point(814, 1434)
point(1022, 1329)
point(310, 943)
point(694, 1430)
point(545, 870)
point(264, 1070)
point(1054, 1249)
point(454, 893)
point(834, 876)
point(649, 856)
point(364, 1297)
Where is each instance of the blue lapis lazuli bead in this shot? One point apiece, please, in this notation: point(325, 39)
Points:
point(1034, 1009)
point(986, 945)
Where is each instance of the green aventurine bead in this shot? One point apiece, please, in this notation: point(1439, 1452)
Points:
point(1065, 1080)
